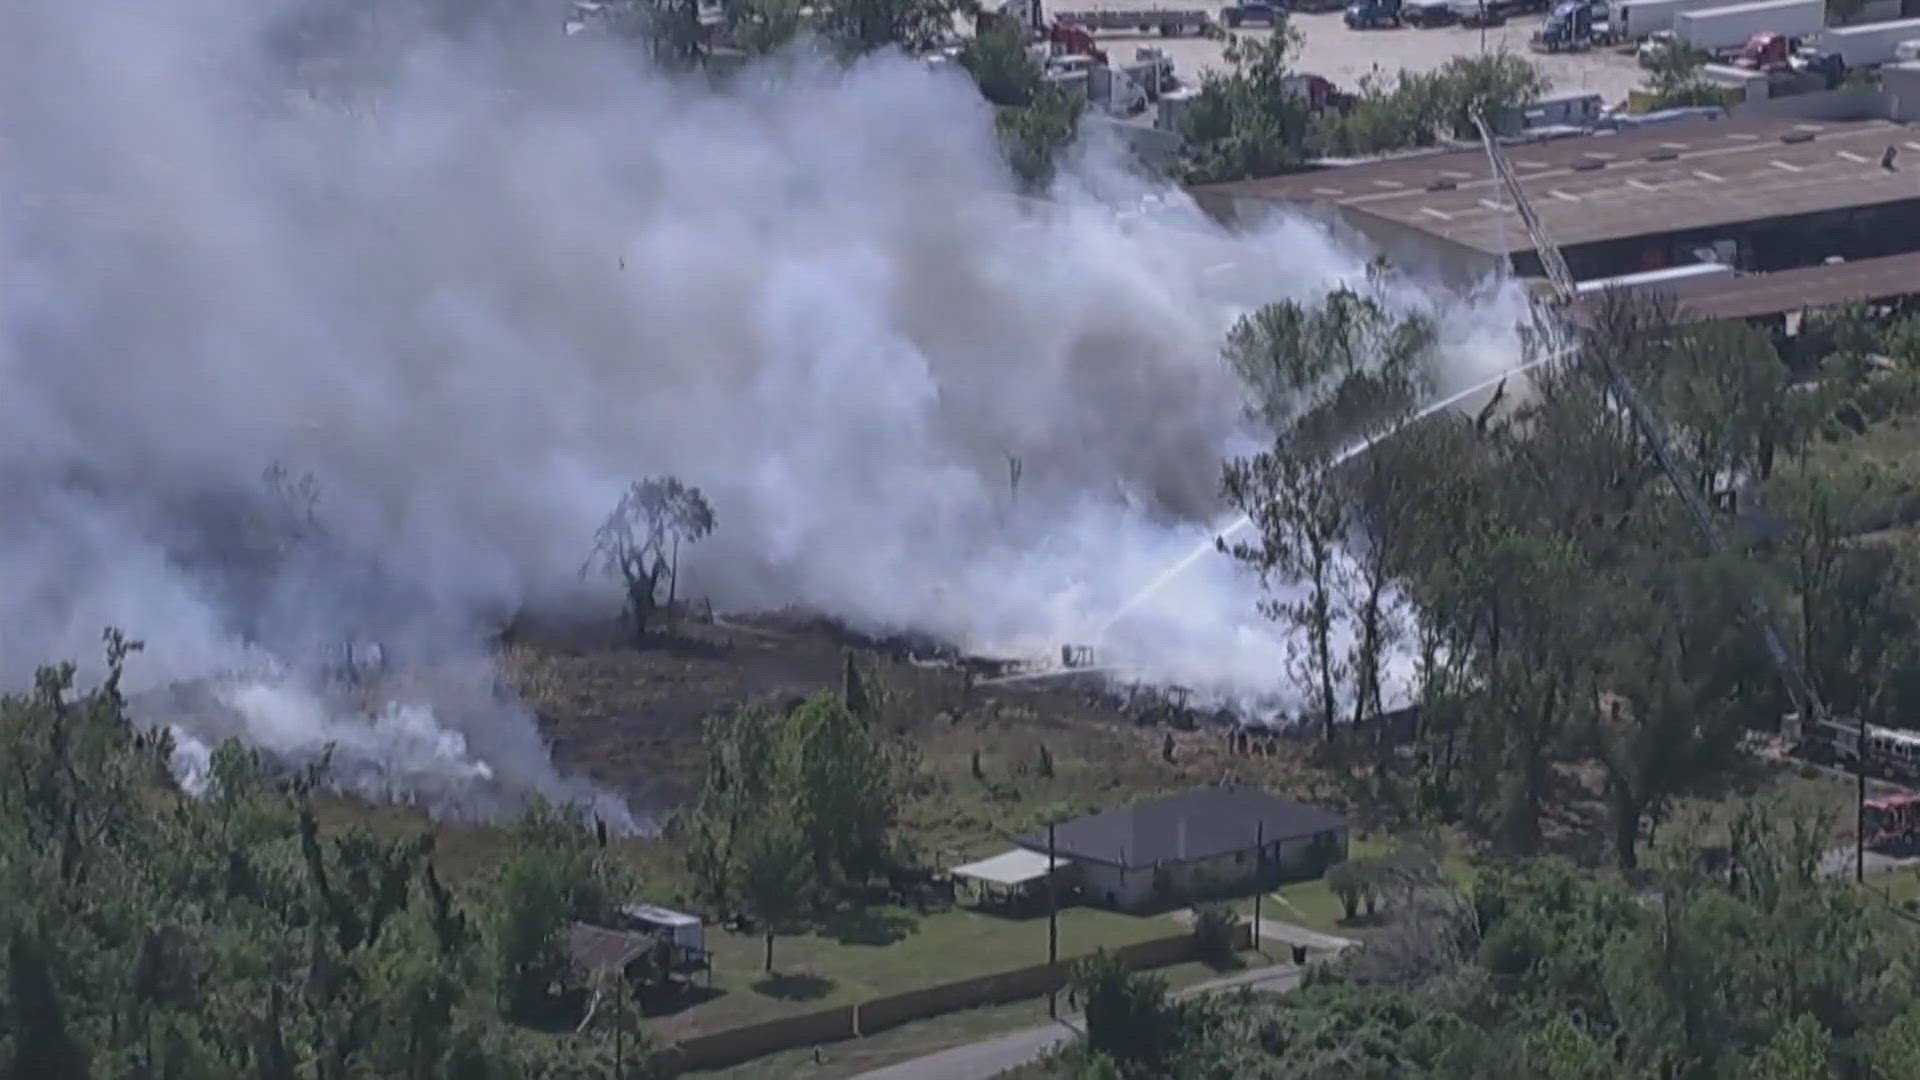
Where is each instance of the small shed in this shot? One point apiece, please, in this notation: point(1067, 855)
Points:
point(592, 949)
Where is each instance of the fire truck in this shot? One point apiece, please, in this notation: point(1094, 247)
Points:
point(1891, 752)
point(1893, 819)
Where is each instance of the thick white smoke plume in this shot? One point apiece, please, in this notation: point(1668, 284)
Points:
point(516, 271)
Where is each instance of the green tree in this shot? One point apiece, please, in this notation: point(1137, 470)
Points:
point(1000, 65)
point(1673, 718)
point(760, 27)
point(1130, 1019)
point(1896, 1053)
point(1488, 84)
point(858, 27)
point(1798, 1051)
point(1415, 109)
point(1034, 136)
point(552, 878)
point(529, 920)
point(744, 783)
point(1675, 79)
point(776, 879)
point(1560, 1050)
point(1252, 120)
point(843, 787)
point(42, 1045)
point(1301, 517)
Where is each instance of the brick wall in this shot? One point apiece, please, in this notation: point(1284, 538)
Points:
point(734, 1045)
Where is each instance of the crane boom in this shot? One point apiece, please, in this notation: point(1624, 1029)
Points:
point(1652, 430)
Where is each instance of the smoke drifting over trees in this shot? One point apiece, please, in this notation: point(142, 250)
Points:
point(514, 271)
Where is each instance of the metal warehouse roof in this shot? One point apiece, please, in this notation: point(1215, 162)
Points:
point(1797, 290)
point(1658, 180)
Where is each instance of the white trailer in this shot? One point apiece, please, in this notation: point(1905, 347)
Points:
point(1168, 21)
point(1635, 19)
point(1868, 44)
point(1715, 30)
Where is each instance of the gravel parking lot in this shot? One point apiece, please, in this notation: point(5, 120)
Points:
point(1332, 51)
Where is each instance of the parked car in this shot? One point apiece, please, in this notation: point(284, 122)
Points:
point(1372, 14)
point(1478, 13)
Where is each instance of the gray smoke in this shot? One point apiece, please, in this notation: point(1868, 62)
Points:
point(479, 285)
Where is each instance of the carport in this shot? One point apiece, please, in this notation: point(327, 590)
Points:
point(1007, 880)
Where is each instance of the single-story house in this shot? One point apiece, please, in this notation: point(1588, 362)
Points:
point(1198, 843)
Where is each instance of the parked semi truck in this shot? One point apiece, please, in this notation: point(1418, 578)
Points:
point(1723, 29)
point(1574, 25)
point(1869, 43)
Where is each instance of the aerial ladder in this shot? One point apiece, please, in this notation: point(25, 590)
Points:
point(1653, 431)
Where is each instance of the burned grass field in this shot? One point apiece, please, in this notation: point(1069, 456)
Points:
point(989, 757)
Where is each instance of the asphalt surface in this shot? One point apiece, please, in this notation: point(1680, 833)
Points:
point(991, 1057)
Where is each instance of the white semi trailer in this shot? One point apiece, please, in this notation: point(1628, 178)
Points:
point(1719, 29)
point(1868, 44)
point(1636, 19)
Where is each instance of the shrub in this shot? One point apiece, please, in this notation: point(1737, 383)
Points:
point(1349, 882)
point(1213, 930)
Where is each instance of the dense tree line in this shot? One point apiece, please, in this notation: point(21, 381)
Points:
point(797, 809)
point(1539, 565)
point(151, 935)
point(1254, 120)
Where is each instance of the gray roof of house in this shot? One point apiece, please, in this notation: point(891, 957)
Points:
point(1198, 824)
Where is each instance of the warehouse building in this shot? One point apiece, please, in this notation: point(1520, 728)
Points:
point(1764, 195)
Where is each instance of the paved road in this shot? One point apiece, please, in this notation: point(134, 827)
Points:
point(991, 1057)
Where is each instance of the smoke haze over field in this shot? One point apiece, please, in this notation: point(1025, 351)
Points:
point(522, 272)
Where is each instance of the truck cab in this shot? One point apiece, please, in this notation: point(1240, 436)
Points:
point(1569, 28)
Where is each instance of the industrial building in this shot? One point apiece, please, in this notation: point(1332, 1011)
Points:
point(1809, 212)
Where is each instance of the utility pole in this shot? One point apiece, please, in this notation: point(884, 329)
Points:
point(1053, 926)
point(1860, 808)
point(1260, 876)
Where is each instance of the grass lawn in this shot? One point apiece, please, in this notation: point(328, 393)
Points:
point(1313, 905)
point(865, 954)
point(936, 1033)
